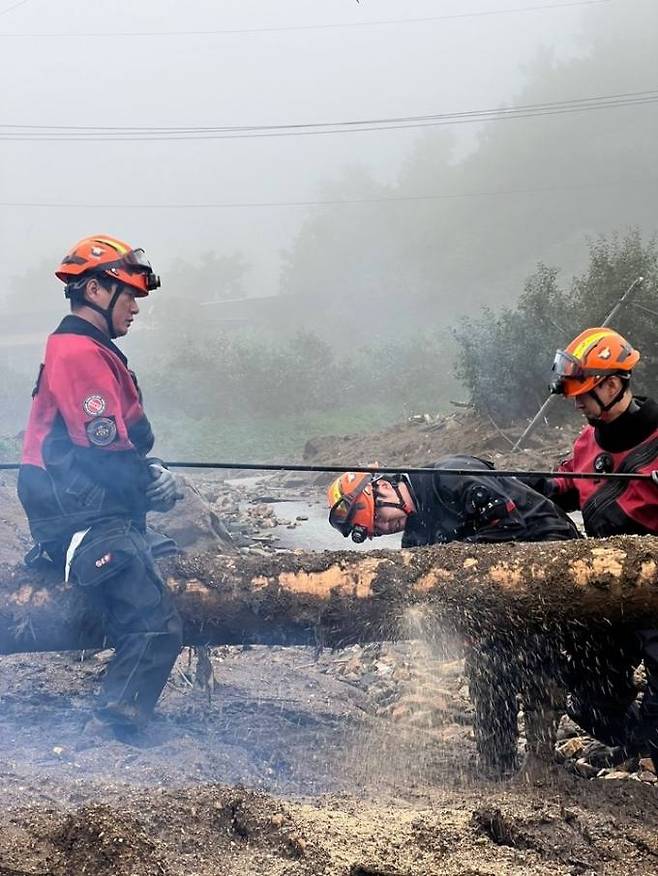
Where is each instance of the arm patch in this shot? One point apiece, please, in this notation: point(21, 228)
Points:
point(101, 431)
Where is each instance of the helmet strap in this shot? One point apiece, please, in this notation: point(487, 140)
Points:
point(618, 397)
point(106, 312)
point(401, 504)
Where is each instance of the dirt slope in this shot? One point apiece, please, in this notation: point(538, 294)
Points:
point(421, 441)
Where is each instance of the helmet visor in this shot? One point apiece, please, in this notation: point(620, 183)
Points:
point(565, 367)
point(340, 515)
point(135, 261)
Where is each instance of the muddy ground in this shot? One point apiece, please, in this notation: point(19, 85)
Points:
point(357, 762)
point(284, 761)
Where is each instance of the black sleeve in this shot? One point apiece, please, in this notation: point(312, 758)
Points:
point(123, 474)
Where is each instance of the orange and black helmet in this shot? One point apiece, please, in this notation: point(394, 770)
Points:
point(102, 254)
point(352, 505)
point(594, 355)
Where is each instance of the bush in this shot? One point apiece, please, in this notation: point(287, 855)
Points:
point(233, 376)
point(504, 358)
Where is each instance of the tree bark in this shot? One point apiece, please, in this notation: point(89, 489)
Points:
point(342, 598)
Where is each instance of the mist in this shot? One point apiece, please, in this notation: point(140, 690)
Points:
point(424, 223)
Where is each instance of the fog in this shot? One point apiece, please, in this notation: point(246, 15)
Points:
point(266, 77)
point(424, 222)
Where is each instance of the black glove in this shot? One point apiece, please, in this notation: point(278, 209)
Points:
point(162, 493)
point(479, 502)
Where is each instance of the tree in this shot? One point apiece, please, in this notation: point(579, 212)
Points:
point(504, 358)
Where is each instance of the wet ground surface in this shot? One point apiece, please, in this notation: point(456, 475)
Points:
point(354, 763)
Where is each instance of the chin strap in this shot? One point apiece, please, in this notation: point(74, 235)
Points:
point(614, 401)
point(407, 507)
point(106, 312)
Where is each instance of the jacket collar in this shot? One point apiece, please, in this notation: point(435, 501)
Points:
point(75, 325)
point(633, 427)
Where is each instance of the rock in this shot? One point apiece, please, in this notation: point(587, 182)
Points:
point(647, 776)
point(614, 774)
point(572, 747)
point(647, 764)
point(399, 712)
point(584, 769)
point(192, 523)
point(568, 728)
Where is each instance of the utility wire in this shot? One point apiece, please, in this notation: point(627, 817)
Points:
point(11, 8)
point(55, 133)
point(530, 107)
point(325, 203)
point(307, 27)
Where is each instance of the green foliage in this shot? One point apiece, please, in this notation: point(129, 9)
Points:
point(258, 439)
point(504, 358)
point(236, 375)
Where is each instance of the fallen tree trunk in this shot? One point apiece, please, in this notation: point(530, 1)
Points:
point(341, 598)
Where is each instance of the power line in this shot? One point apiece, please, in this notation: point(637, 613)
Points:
point(329, 202)
point(102, 129)
point(307, 27)
point(64, 133)
point(11, 8)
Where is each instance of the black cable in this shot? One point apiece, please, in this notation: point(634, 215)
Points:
point(383, 469)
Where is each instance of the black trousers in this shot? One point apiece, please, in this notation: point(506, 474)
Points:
point(115, 567)
point(505, 672)
point(494, 684)
point(599, 676)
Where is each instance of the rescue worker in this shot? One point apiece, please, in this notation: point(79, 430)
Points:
point(439, 508)
point(621, 435)
point(86, 481)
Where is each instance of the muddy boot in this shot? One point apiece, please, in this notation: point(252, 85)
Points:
point(94, 733)
point(500, 768)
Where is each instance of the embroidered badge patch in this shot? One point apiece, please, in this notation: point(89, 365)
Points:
point(101, 431)
point(94, 405)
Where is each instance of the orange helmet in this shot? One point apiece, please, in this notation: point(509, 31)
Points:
point(352, 505)
point(591, 357)
point(107, 255)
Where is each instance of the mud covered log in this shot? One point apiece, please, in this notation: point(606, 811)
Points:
point(341, 598)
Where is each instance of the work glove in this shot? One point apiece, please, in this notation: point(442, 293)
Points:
point(162, 493)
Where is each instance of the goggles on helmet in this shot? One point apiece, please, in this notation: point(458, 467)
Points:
point(353, 512)
point(568, 367)
point(135, 262)
point(565, 367)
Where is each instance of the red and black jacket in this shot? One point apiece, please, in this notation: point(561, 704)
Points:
point(84, 452)
point(628, 444)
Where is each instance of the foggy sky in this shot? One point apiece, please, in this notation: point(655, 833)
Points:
point(244, 78)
